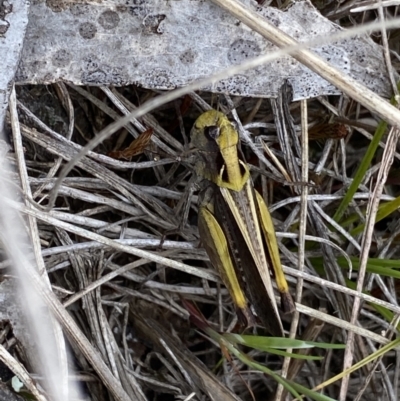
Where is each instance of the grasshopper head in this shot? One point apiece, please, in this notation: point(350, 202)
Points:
point(217, 140)
point(214, 127)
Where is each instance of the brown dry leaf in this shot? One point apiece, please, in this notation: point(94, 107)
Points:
point(327, 131)
point(137, 146)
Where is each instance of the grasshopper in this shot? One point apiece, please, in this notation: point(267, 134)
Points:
point(235, 226)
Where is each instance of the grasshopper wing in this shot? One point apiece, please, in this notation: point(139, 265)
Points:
point(216, 246)
point(246, 267)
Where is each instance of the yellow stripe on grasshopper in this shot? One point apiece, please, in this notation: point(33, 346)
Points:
point(267, 226)
point(220, 251)
point(227, 143)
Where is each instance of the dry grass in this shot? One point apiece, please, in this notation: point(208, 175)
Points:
point(121, 246)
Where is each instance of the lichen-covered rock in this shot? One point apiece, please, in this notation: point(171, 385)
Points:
point(162, 44)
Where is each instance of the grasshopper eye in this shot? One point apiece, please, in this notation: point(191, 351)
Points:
point(212, 132)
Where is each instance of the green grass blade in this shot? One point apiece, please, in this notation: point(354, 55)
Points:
point(383, 267)
point(263, 343)
point(384, 210)
point(294, 356)
point(362, 169)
